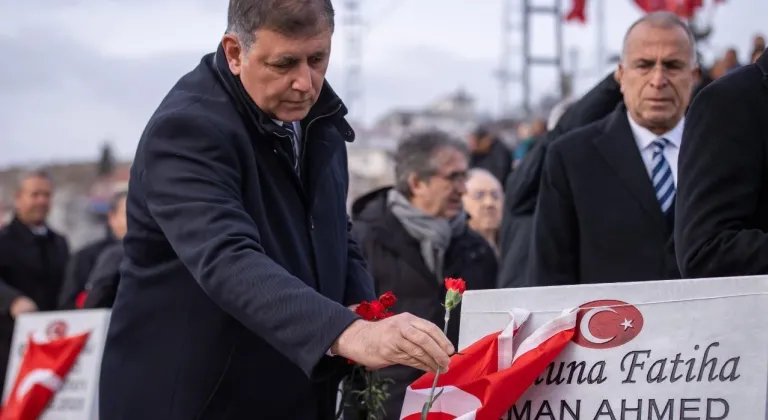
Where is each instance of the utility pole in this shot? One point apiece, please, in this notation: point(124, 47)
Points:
point(353, 83)
point(511, 40)
point(600, 28)
point(530, 59)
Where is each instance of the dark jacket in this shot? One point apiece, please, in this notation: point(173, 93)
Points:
point(721, 226)
point(598, 219)
point(32, 266)
point(236, 271)
point(104, 279)
point(395, 261)
point(78, 270)
point(498, 160)
point(522, 187)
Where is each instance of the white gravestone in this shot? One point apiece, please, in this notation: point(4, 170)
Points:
point(671, 350)
point(78, 397)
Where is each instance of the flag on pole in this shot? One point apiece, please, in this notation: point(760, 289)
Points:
point(42, 372)
point(490, 375)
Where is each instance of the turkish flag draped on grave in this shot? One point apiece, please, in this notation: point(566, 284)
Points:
point(42, 372)
point(490, 375)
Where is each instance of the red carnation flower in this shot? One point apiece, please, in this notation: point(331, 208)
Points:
point(388, 299)
point(457, 285)
point(365, 311)
point(377, 309)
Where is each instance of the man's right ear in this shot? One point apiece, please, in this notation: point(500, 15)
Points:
point(234, 52)
point(415, 183)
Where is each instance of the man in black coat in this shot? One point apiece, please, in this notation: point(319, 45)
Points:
point(721, 226)
point(522, 187)
point(238, 265)
point(488, 152)
point(415, 234)
point(102, 282)
point(32, 258)
point(82, 263)
point(606, 203)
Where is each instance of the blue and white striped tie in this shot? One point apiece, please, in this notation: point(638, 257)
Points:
point(663, 182)
point(294, 144)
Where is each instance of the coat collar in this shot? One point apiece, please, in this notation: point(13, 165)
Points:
point(618, 146)
point(328, 103)
point(22, 231)
point(762, 64)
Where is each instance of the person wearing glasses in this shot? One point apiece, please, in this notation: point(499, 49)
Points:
point(483, 202)
point(415, 234)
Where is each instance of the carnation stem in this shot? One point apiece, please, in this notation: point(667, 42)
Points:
point(432, 398)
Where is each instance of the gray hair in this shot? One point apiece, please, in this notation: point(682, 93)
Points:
point(558, 111)
point(286, 17)
point(482, 171)
point(416, 153)
point(662, 20)
point(32, 173)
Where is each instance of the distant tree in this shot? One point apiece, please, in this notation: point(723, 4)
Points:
point(106, 161)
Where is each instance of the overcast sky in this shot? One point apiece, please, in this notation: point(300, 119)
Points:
point(77, 72)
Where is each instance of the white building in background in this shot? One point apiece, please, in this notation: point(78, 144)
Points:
point(455, 113)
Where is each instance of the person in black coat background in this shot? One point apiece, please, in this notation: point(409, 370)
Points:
point(33, 258)
point(721, 226)
point(488, 151)
point(522, 186)
point(239, 267)
point(415, 234)
point(101, 287)
point(606, 206)
point(82, 263)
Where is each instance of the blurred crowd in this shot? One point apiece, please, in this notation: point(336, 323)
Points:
point(458, 208)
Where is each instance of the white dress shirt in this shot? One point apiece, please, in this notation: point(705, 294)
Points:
point(644, 139)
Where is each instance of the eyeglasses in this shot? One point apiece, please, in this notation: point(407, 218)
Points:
point(480, 195)
point(456, 177)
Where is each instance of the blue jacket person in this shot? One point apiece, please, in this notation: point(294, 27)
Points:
point(238, 266)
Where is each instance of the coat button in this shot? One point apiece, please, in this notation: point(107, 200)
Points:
point(311, 223)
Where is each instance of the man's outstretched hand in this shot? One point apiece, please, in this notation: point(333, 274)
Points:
point(402, 339)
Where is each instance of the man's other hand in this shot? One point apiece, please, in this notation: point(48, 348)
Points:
point(22, 305)
point(399, 340)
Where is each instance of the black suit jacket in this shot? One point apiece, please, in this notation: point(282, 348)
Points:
point(522, 187)
point(32, 266)
point(597, 219)
point(237, 272)
point(722, 213)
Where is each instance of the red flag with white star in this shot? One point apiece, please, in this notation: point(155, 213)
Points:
point(42, 372)
point(490, 375)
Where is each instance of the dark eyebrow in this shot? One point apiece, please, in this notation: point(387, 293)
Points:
point(673, 63)
point(283, 60)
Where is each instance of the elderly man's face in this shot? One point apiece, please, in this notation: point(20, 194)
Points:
point(439, 195)
point(657, 76)
point(282, 75)
point(483, 201)
point(33, 200)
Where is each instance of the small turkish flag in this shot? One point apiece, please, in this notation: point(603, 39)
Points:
point(488, 378)
point(41, 374)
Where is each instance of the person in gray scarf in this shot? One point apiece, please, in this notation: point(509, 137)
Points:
point(415, 234)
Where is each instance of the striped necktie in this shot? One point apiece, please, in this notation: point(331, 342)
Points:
point(663, 182)
point(294, 143)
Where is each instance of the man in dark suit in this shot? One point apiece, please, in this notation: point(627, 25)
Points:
point(239, 268)
point(522, 187)
point(721, 226)
point(606, 202)
point(32, 258)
